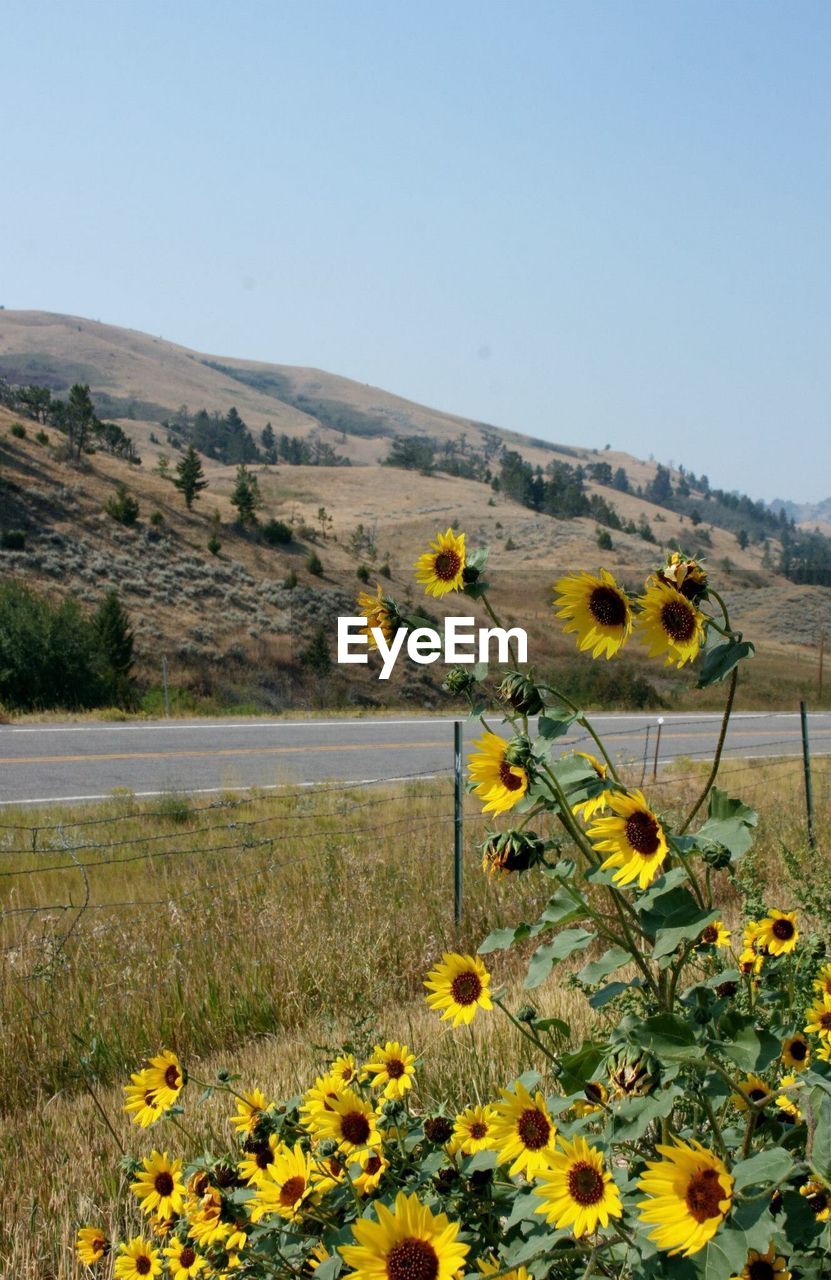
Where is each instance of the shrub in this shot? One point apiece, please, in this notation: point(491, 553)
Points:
point(290, 580)
point(314, 564)
point(214, 545)
point(17, 430)
point(156, 519)
point(50, 653)
point(316, 656)
point(385, 571)
point(276, 533)
point(42, 437)
point(12, 540)
point(122, 506)
point(604, 540)
point(362, 573)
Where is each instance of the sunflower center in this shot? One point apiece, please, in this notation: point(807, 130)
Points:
point(412, 1259)
point(585, 1184)
point(171, 1077)
point(825, 1020)
point(533, 1129)
point(466, 988)
point(395, 1068)
point(143, 1265)
point(798, 1050)
point(704, 1192)
point(478, 1130)
point(372, 1165)
point(642, 833)
point(447, 565)
point(757, 1095)
point(818, 1200)
point(678, 621)
point(607, 607)
point(263, 1157)
point(783, 930)
point(187, 1257)
point(163, 1182)
point(355, 1128)
point(709, 935)
point(761, 1269)
point(150, 1098)
point(508, 778)
point(292, 1189)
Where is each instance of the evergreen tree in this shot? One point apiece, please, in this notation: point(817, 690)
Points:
point(79, 418)
point(115, 640)
point(246, 496)
point(316, 656)
point(190, 478)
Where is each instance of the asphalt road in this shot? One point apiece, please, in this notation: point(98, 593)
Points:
point(63, 762)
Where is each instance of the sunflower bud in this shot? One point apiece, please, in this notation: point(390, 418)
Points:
point(717, 857)
point(633, 1072)
point(225, 1176)
point(481, 1178)
point(519, 751)
point(470, 574)
point(520, 692)
point(445, 1180)
point(504, 852)
point(458, 680)
point(393, 1109)
point(527, 1014)
point(726, 990)
point(438, 1129)
point(326, 1148)
point(684, 574)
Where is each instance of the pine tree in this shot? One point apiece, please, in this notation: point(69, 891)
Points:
point(246, 496)
point(190, 478)
point(316, 656)
point(115, 640)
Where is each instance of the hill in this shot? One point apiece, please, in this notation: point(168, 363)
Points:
point(234, 625)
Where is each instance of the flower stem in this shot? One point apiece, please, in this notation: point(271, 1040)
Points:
point(719, 748)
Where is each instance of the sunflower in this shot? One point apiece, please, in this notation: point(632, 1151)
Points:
point(91, 1245)
point(764, 1266)
point(819, 1017)
point(377, 612)
point(140, 1099)
point(391, 1068)
point(164, 1075)
point(819, 1199)
point(684, 574)
point(344, 1069)
point(318, 1100)
point(586, 809)
point(372, 1165)
point(714, 935)
point(491, 1267)
point(523, 1131)
point(409, 1243)
point(822, 982)
point(183, 1261)
point(577, 1190)
point(689, 1193)
point(796, 1052)
point(250, 1110)
point(753, 1090)
point(500, 784)
point(257, 1163)
point(473, 1131)
point(158, 1187)
point(787, 1106)
point(442, 569)
point(670, 624)
point(137, 1260)
point(351, 1122)
point(778, 933)
point(327, 1171)
point(597, 1095)
point(634, 839)
point(597, 609)
point(205, 1217)
point(458, 987)
point(288, 1187)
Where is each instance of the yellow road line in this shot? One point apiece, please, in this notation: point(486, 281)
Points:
point(226, 751)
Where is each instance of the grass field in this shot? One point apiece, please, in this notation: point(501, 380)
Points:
point(252, 935)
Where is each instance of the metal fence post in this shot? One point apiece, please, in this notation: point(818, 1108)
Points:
point(645, 754)
point(657, 747)
point(166, 690)
point(806, 762)
point(457, 826)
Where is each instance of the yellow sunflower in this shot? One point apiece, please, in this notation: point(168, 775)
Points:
point(764, 1266)
point(391, 1068)
point(91, 1245)
point(785, 1101)
point(158, 1187)
point(140, 1101)
point(491, 1267)
point(137, 1260)
point(689, 1193)
point(819, 1199)
point(343, 1069)
point(442, 569)
point(458, 987)
point(753, 1090)
point(822, 982)
point(819, 1017)
point(778, 933)
point(287, 1189)
point(499, 784)
point(319, 1099)
point(796, 1052)
point(351, 1122)
point(684, 574)
point(576, 1190)
point(183, 1262)
point(377, 613)
point(164, 1075)
point(327, 1171)
point(205, 1218)
point(597, 609)
point(597, 1095)
point(586, 809)
point(634, 839)
point(715, 935)
point(257, 1163)
point(250, 1110)
point(670, 625)
point(410, 1241)
point(523, 1131)
point(372, 1165)
point(473, 1131)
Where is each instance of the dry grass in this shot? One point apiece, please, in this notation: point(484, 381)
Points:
point(253, 957)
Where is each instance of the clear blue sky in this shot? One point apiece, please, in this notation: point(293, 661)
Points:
point(594, 222)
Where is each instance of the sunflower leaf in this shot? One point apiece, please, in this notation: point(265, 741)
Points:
point(731, 823)
point(549, 727)
point(550, 953)
point(771, 1165)
point(597, 969)
point(751, 1048)
point(723, 1256)
point(720, 661)
point(666, 940)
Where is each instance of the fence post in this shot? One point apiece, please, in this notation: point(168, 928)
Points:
point(806, 761)
point(645, 754)
point(166, 690)
point(457, 826)
point(657, 747)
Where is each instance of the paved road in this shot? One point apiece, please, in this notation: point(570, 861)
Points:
point(43, 763)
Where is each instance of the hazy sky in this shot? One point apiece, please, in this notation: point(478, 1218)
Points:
point(593, 222)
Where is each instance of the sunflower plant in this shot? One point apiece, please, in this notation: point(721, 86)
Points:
point(688, 1136)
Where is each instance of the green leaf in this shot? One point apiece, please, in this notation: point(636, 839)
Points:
point(548, 727)
point(502, 939)
point(666, 940)
point(821, 1149)
point(723, 1256)
point(669, 1037)
point(578, 1067)
point(771, 1165)
point(633, 1116)
point(751, 1048)
point(550, 953)
point(526, 1206)
point(731, 824)
point(720, 661)
point(672, 910)
point(562, 907)
point(610, 991)
point(597, 969)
